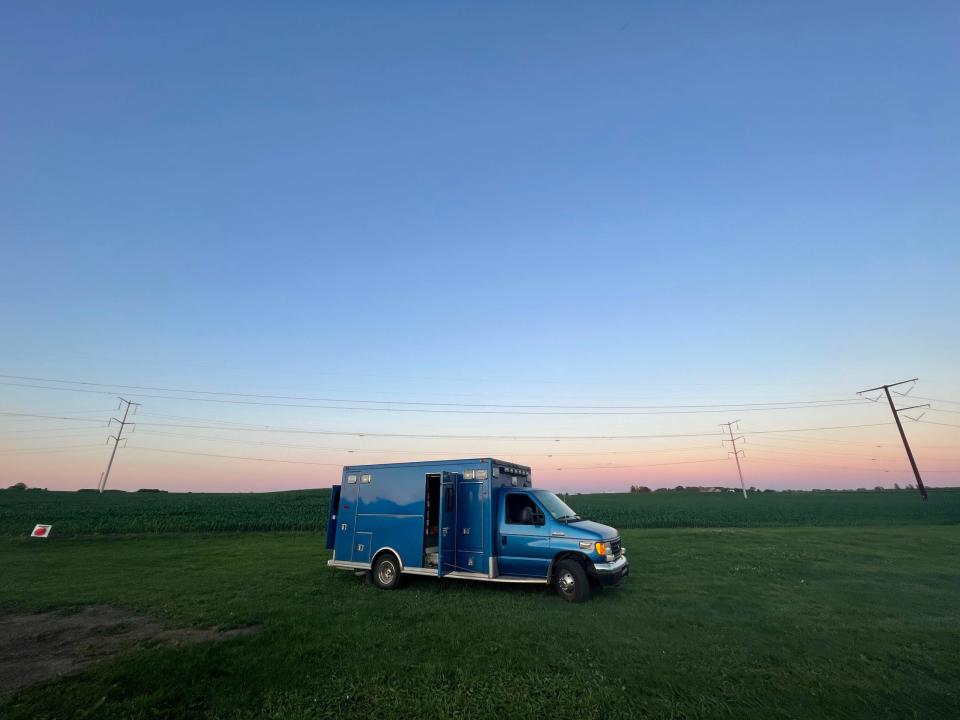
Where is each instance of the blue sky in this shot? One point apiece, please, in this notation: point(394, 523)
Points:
point(748, 201)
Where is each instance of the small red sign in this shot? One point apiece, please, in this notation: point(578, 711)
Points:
point(41, 531)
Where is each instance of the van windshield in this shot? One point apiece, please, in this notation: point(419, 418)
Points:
point(555, 506)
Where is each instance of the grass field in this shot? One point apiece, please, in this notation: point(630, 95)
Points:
point(750, 622)
point(761, 623)
point(135, 513)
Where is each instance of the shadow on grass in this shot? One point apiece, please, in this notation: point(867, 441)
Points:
point(443, 586)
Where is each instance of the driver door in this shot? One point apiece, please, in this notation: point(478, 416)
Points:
point(524, 547)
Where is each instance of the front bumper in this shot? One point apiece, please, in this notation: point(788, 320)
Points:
point(611, 573)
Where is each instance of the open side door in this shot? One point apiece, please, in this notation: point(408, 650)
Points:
point(448, 523)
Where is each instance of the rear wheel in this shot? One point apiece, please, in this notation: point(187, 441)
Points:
point(386, 572)
point(571, 582)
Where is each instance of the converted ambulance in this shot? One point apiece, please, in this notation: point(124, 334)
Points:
point(477, 519)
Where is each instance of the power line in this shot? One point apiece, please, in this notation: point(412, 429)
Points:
point(406, 402)
point(505, 381)
point(306, 462)
point(774, 458)
point(241, 427)
point(437, 436)
point(248, 427)
point(45, 438)
point(621, 467)
point(821, 465)
point(233, 457)
point(942, 424)
point(429, 436)
point(44, 431)
point(258, 443)
point(809, 440)
point(941, 400)
point(941, 410)
point(809, 451)
point(605, 453)
point(808, 404)
point(80, 412)
point(817, 439)
point(834, 427)
point(50, 417)
point(49, 449)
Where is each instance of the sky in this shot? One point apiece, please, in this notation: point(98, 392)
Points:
point(628, 208)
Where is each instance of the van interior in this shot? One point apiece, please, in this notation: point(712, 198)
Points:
point(431, 520)
point(521, 510)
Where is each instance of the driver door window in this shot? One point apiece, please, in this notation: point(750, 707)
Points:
point(522, 510)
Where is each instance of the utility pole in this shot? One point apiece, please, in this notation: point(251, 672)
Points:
point(896, 416)
point(736, 453)
point(116, 439)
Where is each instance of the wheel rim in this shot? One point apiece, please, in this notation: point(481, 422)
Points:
point(386, 572)
point(567, 582)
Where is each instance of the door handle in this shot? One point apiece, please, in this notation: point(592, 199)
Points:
point(503, 539)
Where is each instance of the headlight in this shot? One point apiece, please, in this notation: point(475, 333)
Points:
point(602, 549)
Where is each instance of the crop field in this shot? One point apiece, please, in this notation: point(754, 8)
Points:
point(738, 620)
point(114, 512)
point(88, 513)
point(780, 509)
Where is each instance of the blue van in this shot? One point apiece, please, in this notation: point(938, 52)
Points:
point(477, 519)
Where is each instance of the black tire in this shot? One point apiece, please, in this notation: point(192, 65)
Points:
point(386, 572)
point(571, 581)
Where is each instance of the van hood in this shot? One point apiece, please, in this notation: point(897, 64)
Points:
point(592, 530)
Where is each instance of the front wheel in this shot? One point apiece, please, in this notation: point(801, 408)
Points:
point(571, 582)
point(386, 572)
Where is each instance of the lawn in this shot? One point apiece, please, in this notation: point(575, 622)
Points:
point(802, 622)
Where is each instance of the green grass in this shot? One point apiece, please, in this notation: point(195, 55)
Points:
point(723, 623)
point(75, 514)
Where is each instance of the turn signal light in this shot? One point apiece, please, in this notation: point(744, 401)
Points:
point(601, 548)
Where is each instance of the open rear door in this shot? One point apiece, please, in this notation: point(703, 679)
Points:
point(448, 523)
point(332, 516)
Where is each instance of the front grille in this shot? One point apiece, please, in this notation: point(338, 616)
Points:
point(615, 547)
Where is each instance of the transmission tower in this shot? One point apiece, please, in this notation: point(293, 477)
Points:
point(896, 416)
point(126, 404)
point(736, 453)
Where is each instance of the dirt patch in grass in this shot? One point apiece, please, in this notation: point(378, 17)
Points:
point(42, 646)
